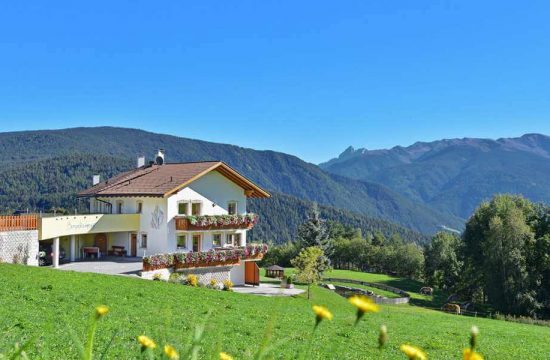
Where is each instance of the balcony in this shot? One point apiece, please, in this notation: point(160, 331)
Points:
point(216, 222)
point(18, 222)
point(214, 257)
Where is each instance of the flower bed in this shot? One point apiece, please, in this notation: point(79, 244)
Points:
point(204, 258)
point(207, 222)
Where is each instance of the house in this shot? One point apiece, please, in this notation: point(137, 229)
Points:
point(160, 209)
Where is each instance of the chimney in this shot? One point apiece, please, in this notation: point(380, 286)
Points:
point(96, 179)
point(159, 158)
point(141, 161)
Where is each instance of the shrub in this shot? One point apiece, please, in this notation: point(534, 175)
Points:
point(174, 277)
point(289, 280)
point(192, 280)
point(227, 285)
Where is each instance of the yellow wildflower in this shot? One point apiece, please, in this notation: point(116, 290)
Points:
point(363, 305)
point(470, 354)
point(413, 353)
point(225, 356)
point(192, 280)
point(101, 310)
point(321, 313)
point(146, 342)
point(171, 352)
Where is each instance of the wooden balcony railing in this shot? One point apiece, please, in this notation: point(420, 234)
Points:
point(18, 222)
point(216, 222)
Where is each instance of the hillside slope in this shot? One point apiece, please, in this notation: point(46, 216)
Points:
point(454, 176)
point(274, 171)
point(52, 308)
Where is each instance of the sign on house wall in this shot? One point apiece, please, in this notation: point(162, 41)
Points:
point(87, 224)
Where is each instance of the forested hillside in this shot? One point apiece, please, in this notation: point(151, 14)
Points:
point(455, 175)
point(282, 214)
point(23, 153)
point(52, 183)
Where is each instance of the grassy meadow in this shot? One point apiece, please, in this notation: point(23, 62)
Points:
point(53, 308)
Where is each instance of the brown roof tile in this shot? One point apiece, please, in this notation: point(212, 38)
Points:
point(164, 180)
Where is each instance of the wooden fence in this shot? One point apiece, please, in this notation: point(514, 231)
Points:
point(18, 222)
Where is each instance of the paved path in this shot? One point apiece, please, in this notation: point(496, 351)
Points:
point(116, 266)
point(267, 290)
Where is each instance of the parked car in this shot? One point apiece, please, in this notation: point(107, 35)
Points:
point(45, 255)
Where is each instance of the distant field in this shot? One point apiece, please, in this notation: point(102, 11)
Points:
point(50, 305)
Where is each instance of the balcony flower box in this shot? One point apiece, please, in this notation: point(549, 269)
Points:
point(159, 261)
point(216, 222)
point(209, 258)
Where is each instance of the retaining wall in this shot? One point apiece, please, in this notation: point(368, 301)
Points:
point(19, 247)
point(204, 275)
point(348, 291)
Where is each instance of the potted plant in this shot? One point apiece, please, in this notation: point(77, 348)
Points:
point(287, 283)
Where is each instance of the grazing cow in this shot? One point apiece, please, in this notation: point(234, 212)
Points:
point(452, 308)
point(427, 290)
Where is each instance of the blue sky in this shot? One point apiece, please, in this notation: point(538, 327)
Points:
point(308, 78)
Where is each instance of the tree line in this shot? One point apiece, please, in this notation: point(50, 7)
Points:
point(502, 258)
point(345, 247)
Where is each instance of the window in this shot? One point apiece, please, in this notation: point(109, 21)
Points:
point(229, 239)
point(182, 208)
point(217, 240)
point(182, 241)
point(139, 207)
point(119, 207)
point(233, 239)
point(196, 243)
point(232, 208)
point(143, 242)
point(196, 209)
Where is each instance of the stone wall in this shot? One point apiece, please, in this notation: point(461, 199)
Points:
point(19, 247)
point(204, 275)
point(349, 291)
point(219, 273)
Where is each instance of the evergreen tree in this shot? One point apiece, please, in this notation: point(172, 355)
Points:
point(314, 231)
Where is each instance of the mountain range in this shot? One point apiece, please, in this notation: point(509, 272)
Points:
point(413, 191)
point(453, 176)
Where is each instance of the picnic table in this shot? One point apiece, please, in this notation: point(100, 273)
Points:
point(90, 250)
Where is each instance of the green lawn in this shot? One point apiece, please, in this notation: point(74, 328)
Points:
point(53, 307)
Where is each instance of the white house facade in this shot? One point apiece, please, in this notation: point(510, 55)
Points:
point(164, 211)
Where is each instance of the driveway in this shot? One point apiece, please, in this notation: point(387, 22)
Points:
point(109, 265)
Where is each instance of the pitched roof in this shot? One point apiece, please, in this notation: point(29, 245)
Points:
point(276, 268)
point(165, 180)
